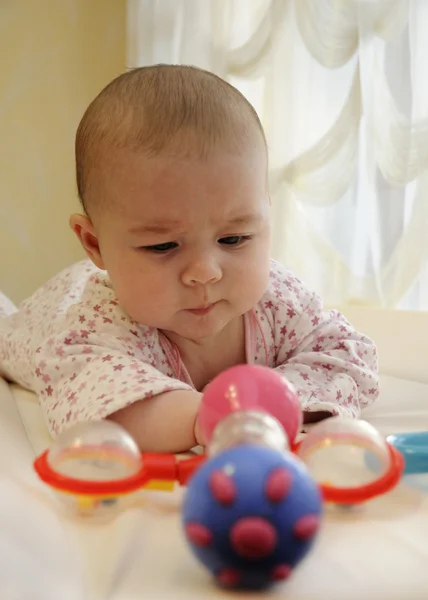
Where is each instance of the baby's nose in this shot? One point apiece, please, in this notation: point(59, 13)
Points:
point(202, 272)
point(253, 537)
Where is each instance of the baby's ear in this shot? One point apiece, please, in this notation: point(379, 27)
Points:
point(85, 231)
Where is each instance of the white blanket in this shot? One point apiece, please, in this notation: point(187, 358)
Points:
point(7, 307)
point(379, 551)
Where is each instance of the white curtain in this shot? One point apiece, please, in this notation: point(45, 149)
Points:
point(341, 87)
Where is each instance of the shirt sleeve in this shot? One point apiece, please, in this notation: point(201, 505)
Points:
point(74, 346)
point(83, 376)
point(333, 368)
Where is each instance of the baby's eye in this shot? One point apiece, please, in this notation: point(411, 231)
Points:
point(234, 240)
point(161, 248)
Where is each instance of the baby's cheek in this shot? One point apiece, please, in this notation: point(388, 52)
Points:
point(250, 285)
point(134, 293)
point(256, 271)
point(148, 293)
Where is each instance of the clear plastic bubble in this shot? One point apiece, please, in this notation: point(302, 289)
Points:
point(100, 452)
point(248, 427)
point(95, 451)
point(343, 453)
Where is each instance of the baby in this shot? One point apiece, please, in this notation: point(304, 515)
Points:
point(172, 174)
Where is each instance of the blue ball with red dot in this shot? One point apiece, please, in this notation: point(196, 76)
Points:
point(251, 514)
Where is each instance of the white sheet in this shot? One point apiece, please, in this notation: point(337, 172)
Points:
point(379, 551)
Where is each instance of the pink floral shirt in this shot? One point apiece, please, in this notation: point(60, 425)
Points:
point(85, 358)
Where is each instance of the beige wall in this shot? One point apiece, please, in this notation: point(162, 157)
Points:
point(55, 55)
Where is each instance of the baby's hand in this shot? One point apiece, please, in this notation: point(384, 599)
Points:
point(198, 433)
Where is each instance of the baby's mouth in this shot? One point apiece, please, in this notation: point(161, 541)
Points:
point(202, 310)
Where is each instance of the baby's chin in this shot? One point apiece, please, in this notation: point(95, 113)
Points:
point(197, 334)
point(197, 328)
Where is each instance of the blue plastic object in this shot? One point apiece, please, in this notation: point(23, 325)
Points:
point(414, 448)
point(251, 514)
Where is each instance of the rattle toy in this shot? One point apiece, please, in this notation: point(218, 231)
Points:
point(253, 503)
point(93, 466)
point(350, 460)
point(252, 511)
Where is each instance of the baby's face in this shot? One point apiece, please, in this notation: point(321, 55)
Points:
point(186, 242)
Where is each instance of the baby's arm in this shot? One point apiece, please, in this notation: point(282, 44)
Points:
point(164, 423)
point(333, 367)
point(84, 376)
point(87, 360)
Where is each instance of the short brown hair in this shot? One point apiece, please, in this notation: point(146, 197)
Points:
point(146, 109)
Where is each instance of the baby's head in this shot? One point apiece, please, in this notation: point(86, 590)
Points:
point(172, 174)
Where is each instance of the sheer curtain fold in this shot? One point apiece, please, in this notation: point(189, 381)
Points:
point(342, 92)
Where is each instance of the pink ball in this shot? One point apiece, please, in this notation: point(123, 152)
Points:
point(250, 387)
